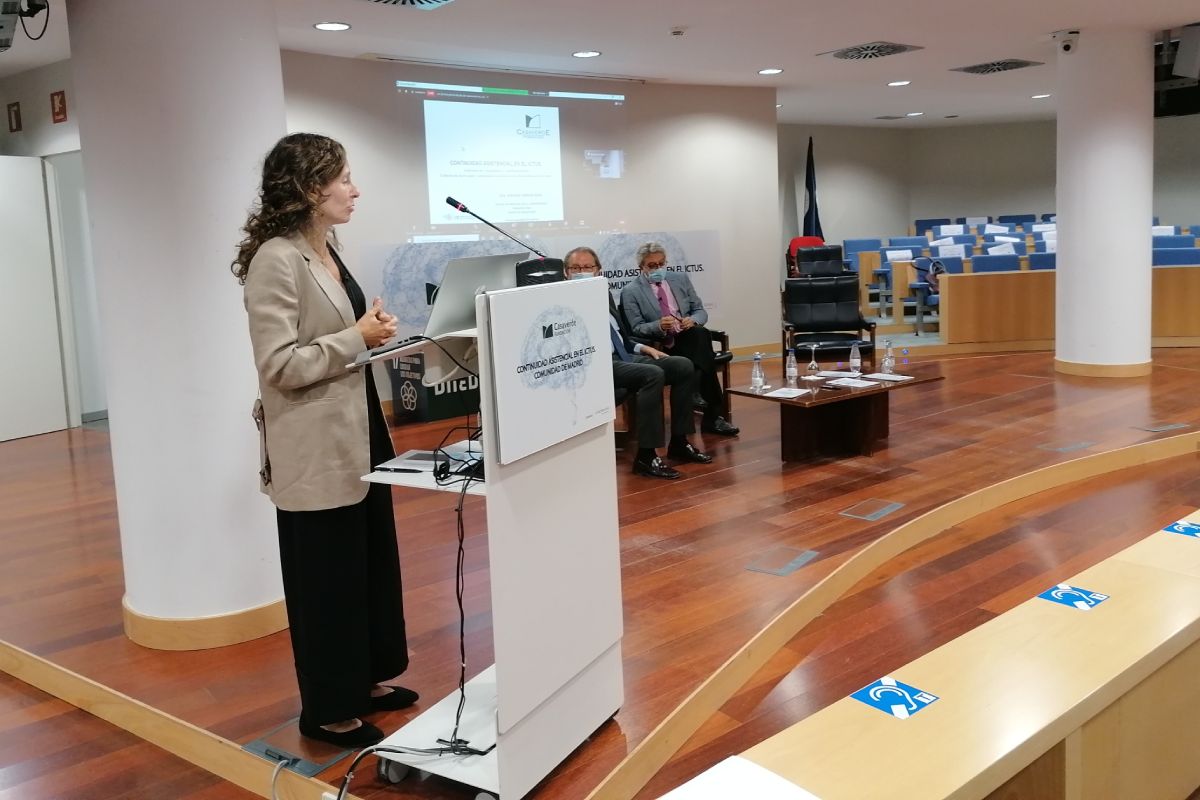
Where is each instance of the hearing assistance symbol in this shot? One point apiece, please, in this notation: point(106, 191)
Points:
point(1073, 596)
point(893, 697)
point(1185, 528)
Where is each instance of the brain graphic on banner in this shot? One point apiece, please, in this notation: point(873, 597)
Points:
point(556, 352)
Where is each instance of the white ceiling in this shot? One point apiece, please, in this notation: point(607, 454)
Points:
point(726, 43)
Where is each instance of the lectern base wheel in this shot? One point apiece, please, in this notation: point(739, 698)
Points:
point(392, 771)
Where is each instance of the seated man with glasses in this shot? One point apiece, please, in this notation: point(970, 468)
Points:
point(640, 368)
point(663, 307)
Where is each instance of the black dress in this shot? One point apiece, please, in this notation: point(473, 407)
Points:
point(341, 583)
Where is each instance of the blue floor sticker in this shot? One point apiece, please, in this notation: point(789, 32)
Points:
point(893, 697)
point(1183, 527)
point(1073, 596)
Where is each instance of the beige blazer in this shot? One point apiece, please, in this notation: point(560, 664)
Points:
point(314, 430)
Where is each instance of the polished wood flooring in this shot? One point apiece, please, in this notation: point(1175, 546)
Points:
point(690, 600)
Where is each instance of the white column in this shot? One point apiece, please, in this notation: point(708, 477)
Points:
point(1105, 93)
point(178, 103)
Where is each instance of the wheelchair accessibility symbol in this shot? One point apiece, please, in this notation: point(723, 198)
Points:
point(1073, 596)
point(1186, 528)
point(893, 697)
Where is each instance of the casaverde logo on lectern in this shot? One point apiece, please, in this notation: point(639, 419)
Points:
point(556, 351)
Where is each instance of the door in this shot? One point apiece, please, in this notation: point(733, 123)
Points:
point(33, 395)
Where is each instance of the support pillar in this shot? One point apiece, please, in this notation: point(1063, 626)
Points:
point(1105, 94)
point(178, 103)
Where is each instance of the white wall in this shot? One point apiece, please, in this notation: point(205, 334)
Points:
point(1177, 170)
point(982, 170)
point(700, 158)
point(39, 136)
point(862, 180)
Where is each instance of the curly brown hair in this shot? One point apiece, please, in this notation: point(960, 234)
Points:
point(298, 167)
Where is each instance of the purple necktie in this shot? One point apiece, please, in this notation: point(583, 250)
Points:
point(661, 290)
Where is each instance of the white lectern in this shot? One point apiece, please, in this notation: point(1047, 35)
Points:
point(546, 406)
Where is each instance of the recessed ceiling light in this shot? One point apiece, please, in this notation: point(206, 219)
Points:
point(770, 71)
point(1038, 96)
point(779, 105)
point(899, 83)
point(915, 114)
point(586, 54)
point(332, 26)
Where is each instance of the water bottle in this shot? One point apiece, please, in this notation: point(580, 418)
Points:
point(757, 380)
point(855, 359)
point(790, 370)
point(889, 359)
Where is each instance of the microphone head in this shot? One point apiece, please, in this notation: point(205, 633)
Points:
point(450, 201)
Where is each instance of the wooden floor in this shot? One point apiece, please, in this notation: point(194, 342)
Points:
point(690, 600)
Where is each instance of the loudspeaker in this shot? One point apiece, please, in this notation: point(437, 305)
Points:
point(1187, 56)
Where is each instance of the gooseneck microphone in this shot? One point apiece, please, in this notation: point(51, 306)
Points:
point(450, 201)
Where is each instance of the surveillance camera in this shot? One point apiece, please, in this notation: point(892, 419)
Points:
point(1067, 41)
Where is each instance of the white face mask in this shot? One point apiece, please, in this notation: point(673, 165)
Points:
point(578, 275)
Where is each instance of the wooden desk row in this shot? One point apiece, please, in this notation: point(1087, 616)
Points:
point(1019, 306)
point(901, 278)
point(1049, 701)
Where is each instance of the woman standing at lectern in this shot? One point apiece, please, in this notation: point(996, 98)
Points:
point(322, 428)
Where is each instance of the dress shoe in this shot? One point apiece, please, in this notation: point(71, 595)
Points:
point(396, 699)
point(364, 735)
point(719, 426)
point(688, 452)
point(654, 468)
point(699, 402)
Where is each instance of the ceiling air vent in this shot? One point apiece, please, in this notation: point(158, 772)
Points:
point(871, 50)
point(425, 5)
point(1004, 65)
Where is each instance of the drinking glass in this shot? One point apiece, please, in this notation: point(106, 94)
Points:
point(813, 367)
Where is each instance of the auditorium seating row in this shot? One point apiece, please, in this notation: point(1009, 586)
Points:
point(1024, 222)
point(908, 293)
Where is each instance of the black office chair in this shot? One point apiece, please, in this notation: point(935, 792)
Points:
point(821, 269)
point(826, 252)
point(539, 270)
point(825, 311)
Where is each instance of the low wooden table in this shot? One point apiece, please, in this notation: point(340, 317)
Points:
point(836, 421)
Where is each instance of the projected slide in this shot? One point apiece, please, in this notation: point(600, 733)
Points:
point(503, 161)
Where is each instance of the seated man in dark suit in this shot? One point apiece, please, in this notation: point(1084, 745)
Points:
point(640, 368)
point(663, 307)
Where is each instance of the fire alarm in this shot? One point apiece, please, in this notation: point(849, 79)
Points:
point(678, 31)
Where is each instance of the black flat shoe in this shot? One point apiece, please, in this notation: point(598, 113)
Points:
point(364, 735)
point(396, 699)
point(719, 426)
point(699, 402)
point(688, 452)
point(655, 468)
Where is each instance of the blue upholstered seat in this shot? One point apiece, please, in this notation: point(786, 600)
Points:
point(1175, 256)
point(1042, 260)
point(995, 263)
point(1164, 242)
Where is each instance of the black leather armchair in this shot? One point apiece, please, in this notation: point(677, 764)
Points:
point(539, 270)
point(824, 311)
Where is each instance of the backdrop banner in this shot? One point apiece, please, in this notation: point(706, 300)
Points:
point(409, 273)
